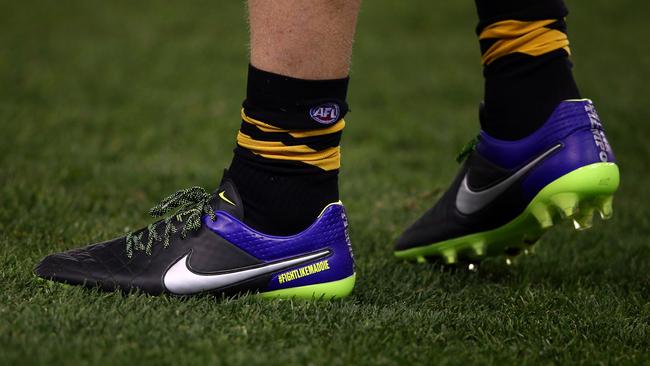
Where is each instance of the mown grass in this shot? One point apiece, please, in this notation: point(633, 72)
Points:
point(106, 107)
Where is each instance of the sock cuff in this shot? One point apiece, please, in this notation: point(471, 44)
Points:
point(294, 104)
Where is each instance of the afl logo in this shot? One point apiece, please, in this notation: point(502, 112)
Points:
point(326, 114)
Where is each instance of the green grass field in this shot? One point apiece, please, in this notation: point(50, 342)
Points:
point(107, 107)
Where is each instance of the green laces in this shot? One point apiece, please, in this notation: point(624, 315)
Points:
point(467, 149)
point(190, 203)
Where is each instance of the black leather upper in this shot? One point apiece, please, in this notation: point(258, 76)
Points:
point(444, 221)
point(107, 266)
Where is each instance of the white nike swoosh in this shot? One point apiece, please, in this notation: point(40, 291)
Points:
point(469, 202)
point(181, 280)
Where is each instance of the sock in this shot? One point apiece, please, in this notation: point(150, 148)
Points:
point(287, 157)
point(525, 54)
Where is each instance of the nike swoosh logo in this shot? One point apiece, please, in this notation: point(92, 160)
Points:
point(469, 202)
point(222, 195)
point(181, 280)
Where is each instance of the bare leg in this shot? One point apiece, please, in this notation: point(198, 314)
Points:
point(304, 39)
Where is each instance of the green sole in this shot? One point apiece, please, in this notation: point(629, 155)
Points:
point(319, 291)
point(575, 196)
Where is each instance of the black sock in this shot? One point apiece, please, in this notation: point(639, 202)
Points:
point(287, 156)
point(523, 87)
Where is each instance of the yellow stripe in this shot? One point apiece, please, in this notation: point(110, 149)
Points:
point(338, 126)
point(271, 146)
point(512, 28)
point(530, 38)
point(535, 43)
point(327, 159)
point(259, 124)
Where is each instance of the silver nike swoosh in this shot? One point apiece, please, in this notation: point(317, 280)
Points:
point(181, 280)
point(469, 202)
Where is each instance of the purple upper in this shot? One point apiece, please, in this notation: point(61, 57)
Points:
point(574, 124)
point(329, 231)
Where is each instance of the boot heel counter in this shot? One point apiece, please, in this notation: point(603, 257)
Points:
point(578, 128)
point(348, 242)
point(587, 143)
point(341, 258)
point(332, 275)
point(599, 139)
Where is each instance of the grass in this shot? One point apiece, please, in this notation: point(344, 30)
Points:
point(106, 107)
